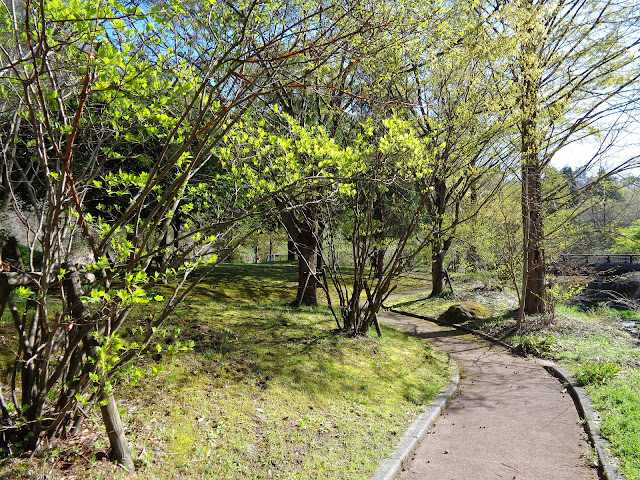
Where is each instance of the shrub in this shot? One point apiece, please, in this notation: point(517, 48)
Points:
point(597, 373)
point(532, 344)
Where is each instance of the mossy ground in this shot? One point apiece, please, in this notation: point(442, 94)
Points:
point(267, 392)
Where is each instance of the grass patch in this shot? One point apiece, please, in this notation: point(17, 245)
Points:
point(619, 401)
point(267, 392)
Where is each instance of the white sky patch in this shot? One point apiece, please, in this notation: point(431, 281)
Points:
point(578, 154)
point(574, 155)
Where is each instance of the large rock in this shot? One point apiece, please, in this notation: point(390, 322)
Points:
point(465, 312)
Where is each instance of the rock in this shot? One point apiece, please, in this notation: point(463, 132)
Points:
point(464, 312)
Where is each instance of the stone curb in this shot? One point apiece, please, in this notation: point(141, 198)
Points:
point(390, 467)
point(606, 464)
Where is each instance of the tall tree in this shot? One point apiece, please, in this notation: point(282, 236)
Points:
point(575, 76)
point(355, 83)
point(469, 134)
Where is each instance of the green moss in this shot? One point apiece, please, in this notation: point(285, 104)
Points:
point(479, 310)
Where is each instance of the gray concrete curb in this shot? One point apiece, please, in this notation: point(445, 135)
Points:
point(390, 467)
point(606, 464)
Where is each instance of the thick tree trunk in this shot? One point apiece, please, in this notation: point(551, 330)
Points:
point(438, 271)
point(10, 253)
point(303, 229)
point(291, 250)
point(439, 245)
point(534, 276)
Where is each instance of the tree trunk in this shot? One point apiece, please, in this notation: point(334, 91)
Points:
point(534, 259)
point(291, 250)
point(379, 251)
point(11, 254)
point(304, 231)
point(438, 271)
point(534, 269)
point(378, 265)
point(307, 263)
point(439, 245)
point(120, 452)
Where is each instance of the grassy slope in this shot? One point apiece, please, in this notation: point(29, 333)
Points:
point(591, 345)
point(267, 392)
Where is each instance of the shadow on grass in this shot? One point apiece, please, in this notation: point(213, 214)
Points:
point(410, 302)
point(249, 282)
point(257, 344)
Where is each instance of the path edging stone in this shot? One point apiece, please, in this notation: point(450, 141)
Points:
point(606, 464)
point(390, 467)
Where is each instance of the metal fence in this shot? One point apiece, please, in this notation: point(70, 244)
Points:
point(597, 259)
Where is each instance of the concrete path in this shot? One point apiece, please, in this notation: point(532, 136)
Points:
point(511, 420)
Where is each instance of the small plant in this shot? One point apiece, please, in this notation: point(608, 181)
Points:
point(598, 373)
point(560, 294)
point(532, 344)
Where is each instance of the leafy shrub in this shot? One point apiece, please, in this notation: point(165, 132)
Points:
point(24, 252)
point(597, 373)
point(532, 344)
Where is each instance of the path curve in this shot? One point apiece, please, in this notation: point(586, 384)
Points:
point(511, 419)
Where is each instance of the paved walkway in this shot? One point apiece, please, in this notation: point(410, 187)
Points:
point(511, 420)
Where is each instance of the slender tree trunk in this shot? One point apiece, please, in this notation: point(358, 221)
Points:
point(307, 268)
point(120, 451)
point(378, 253)
point(379, 263)
point(534, 268)
point(472, 251)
